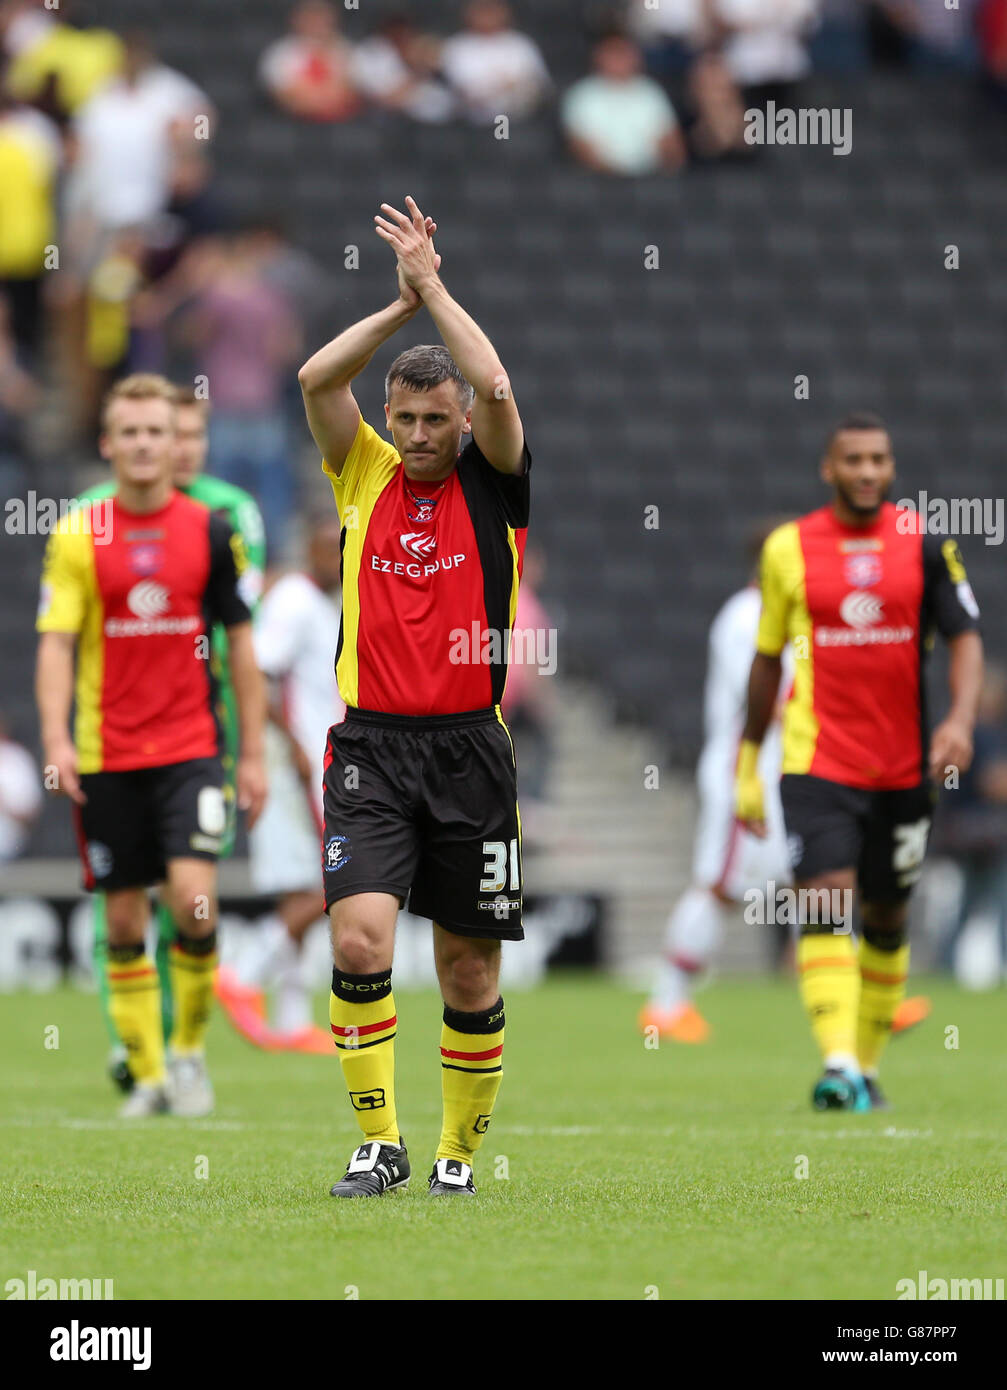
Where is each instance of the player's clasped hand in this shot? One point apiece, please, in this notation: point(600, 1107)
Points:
point(749, 802)
point(411, 238)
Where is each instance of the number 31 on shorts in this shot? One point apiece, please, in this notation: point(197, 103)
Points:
point(497, 855)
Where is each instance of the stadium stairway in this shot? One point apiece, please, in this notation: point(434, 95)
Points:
point(621, 825)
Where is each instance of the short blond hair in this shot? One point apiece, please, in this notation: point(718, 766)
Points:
point(141, 386)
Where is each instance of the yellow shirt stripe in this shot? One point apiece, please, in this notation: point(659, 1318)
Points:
point(366, 472)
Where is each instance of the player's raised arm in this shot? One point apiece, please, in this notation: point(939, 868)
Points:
point(333, 413)
point(496, 424)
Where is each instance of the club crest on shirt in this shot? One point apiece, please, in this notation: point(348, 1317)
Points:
point(863, 570)
point(337, 852)
point(145, 559)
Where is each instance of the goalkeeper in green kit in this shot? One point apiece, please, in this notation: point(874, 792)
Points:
point(241, 510)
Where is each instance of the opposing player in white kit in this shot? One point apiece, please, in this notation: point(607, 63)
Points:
point(296, 631)
point(727, 860)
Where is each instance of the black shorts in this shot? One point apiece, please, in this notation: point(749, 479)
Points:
point(134, 822)
point(426, 808)
point(882, 834)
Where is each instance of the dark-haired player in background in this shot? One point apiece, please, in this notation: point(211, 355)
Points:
point(125, 618)
point(858, 588)
point(420, 784)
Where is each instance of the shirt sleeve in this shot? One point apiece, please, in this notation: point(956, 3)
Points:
point(511, 489)
point(253, 533)
point(63, 596)
point(575, 111)
point(277, 66)
point(772, 634)
point(948, 599)
point(367, 452)
point(228, 562)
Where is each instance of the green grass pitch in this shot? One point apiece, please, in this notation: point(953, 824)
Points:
point(610, 1171)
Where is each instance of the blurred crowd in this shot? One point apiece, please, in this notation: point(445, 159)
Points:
point(106, 176)
point(106, 172)
point(671, 80)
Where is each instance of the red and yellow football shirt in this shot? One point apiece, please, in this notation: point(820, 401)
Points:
point(141, 591)
point(428, 604)
point(860, 605)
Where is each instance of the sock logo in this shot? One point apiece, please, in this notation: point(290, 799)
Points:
point(481, 1125)
point(367, 988)
point(368, 1100)
point(495, 1018)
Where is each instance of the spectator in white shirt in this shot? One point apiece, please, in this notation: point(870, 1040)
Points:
point(764, 47)
point(620, 121)
point(495, 70)
point(125, 142)
point(309, 73)
point(20, 795)
point(397, 69)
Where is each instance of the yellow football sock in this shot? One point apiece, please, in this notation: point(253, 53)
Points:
point(134, 996)
point(883, 976)
point(830, 989)
point(192, 966)
point(471, 1072)
point(362, 1015)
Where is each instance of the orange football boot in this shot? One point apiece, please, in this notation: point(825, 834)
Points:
point(310, 1039)
point(684, 1024)
point(246, 1009)
point(910, 1012)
